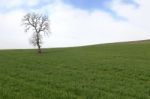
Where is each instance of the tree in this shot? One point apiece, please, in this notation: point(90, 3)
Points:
point(39, 24)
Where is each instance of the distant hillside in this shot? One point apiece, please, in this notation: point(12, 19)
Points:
point(107, 71)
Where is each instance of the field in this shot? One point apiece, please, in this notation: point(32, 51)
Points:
point(108, 71)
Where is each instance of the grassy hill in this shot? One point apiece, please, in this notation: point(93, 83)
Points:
point(109, 71)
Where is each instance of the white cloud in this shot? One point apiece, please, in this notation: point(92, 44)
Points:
point(31, 2)
point(136, 16)
point(73, 27)
point(12, 34)
point(83, 27)
point(9, 4)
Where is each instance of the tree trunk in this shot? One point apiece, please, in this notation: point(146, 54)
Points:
point(39, 49)
point(38, 43)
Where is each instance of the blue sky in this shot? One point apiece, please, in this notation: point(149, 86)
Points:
point(82, 4)
point(96, 4)
point(103, 5)
point(88, 5)
point(76, 22)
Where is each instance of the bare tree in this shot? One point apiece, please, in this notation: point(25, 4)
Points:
point(39, 24)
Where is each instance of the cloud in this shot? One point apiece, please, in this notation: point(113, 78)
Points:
point(137, 16)
point(7, 5)
point(31, 2)
point(10, 3)
point(12, 34)
point(71, 26)
point(84, 27)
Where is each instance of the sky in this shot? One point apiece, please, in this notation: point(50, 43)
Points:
point(76, 22)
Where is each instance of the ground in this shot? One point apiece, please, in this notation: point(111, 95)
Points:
point(109, 71)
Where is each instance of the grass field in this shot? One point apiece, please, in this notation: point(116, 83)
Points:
point(109, 71)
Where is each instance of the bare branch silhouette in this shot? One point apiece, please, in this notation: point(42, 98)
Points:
point(39, 24)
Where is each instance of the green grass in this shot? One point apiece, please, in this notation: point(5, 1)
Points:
point(109, 71)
